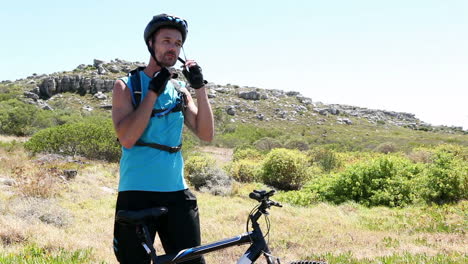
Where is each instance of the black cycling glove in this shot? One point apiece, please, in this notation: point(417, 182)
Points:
point(159, 81)
point(194, 76)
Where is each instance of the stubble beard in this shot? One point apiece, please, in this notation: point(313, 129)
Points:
point(166, 61)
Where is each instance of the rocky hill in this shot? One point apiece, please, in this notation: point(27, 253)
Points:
point(241, 104)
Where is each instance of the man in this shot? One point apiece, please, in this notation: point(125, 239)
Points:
point(148, 111)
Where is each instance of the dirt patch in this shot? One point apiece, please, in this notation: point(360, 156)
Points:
point(221, 155)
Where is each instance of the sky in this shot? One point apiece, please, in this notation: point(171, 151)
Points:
point(400, 55)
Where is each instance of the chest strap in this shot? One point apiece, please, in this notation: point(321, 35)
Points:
point(159, 146)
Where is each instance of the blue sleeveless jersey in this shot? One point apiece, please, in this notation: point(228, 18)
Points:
point(149, 169)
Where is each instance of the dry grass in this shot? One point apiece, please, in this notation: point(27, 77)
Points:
point(6, 138)
point(85, 205)
point(36, 181)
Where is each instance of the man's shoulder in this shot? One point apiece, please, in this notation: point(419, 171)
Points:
point(123, 79)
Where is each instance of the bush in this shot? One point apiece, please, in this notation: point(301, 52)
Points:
point(16, 117)
point(324, 158)
point(247, 153)
point(285, 169)
point(387, 181)
point(456, 150)
point(9, 91)
point(300, 198)
point(386, 147)
point(204, 177)
point(22, 119)
point(245, 170)
point(446, 179)
point(267, 144)
point(94, 138)
point(299, 144)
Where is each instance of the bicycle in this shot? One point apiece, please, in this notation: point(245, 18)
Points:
point(140, 219)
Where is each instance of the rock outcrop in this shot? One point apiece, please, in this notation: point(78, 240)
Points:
point(245, 104)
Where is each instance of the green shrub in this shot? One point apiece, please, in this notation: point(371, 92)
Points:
point(324, 158)
point(94, 138)
point(17, 118)
point(446, 178)
point(22, 119)
point(9, 91)
point(456, 150)
point(297, 143)
point(300, 198)
point(387, 181)
point(195, 165)
point(201, 174)
point(245, 170)
point(285, 169)
point(246, 153)
point(189, 142)
point(267, 144)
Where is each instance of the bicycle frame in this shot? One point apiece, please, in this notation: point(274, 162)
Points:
point(258, 246)
point(255, 250)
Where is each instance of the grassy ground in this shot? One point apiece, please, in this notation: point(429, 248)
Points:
point(47, 218)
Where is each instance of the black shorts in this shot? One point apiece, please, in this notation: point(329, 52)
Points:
point(178, 229)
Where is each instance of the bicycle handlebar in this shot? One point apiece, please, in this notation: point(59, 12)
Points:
point(263, 197)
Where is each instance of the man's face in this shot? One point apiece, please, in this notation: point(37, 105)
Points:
point(167, 44)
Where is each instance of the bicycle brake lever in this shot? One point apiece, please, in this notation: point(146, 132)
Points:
point(273, 203)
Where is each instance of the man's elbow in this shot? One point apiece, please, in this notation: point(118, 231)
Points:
point(207, 137)
point(127, 142)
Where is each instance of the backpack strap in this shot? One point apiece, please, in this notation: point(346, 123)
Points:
point(135, 81)
point(134, 78)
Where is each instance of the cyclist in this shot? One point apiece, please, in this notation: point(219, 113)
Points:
point(148, 112)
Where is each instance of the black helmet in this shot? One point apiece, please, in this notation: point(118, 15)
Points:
point(165, 20)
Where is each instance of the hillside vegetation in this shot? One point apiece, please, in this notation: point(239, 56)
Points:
point(358, 185)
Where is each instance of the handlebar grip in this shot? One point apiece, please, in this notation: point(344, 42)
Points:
point(256, 196)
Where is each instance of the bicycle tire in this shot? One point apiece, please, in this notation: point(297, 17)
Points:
point(308, 262)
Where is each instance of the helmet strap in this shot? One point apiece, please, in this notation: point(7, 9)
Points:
point(151, 51)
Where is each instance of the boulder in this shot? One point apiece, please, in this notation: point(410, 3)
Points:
point(97, 63)
point(252, 95)
point(31, 95)
point(292, 93)
point(231, 110)
point(100, 96)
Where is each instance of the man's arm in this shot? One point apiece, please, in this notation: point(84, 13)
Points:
point(199, 118)
point(130, 124)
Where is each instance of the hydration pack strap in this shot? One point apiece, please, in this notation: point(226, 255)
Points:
point(135, 81)
point(159, 146)
point(134, 77)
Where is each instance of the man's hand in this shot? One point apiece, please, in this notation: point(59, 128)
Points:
point(159, 81)
point(194, 75)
